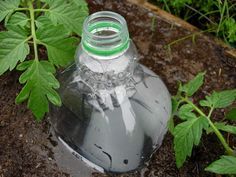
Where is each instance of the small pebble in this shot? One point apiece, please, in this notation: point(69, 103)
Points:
point(50, 159)
point(20, 135)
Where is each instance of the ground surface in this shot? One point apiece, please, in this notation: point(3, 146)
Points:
point(25, 146)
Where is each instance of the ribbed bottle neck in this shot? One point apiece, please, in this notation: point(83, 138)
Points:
point(105, 34)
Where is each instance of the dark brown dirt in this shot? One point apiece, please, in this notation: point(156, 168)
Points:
point(24, 143)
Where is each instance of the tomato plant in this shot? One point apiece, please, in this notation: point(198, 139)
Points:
point(31, 24)
point(197, 117)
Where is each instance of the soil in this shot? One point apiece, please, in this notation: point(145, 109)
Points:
point(25, 144)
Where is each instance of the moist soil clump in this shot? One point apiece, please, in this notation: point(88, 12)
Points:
point(25, 145)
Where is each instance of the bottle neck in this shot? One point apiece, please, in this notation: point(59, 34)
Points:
point(106, 74)
point(105, 35)
point(106, 55)
point(99, 64)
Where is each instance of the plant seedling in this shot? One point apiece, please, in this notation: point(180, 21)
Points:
point(195, 120)
point(53, 24)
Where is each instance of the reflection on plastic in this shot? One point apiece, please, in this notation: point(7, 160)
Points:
point(115, 110)
point(117, 129)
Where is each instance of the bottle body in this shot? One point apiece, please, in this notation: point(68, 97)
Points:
point(114, 111)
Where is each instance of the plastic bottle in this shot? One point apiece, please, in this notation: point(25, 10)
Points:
point(115, 110)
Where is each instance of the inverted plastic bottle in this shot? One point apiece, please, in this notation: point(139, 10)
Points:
point(115, 110)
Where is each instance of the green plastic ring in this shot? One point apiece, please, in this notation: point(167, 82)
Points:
point(106, 52)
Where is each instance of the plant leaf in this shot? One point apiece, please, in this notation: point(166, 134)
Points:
point(225, 98)
point(23, 66)
point(60, 46)
point(185, 112)
point(180, 3)
point(7, 7)
point(229, 28)
point(222, 126)
point(40, 85)
point(192, 86)
point(43, 21)
point(68, 14)
point(186, 135)
point(13, 48)
point(80, 2)
point(231, 115)
point(18, 19)
point(219, 99)
point(225, 165)
point(205, 103)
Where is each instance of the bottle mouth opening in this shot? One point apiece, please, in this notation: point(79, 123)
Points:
point(105, 33)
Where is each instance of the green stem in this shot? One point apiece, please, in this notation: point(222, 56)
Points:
point(44, 6)
point(202, 15)
point(194, 106)
point(228, 149)
point(218, 134)
point(190, 35)
point(33, 33)
point(167, 6)
point(222, 12)
point(21, 9)
point(30, 42)
point(209, 13)
point(28, 39)
point(41, 10)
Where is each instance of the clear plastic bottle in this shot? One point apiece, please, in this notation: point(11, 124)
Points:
point(115, 110)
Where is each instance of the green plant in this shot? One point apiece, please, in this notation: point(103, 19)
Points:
point(197, 117)
point(53, 24)
point(229, 30)
point(218, 14)
point(192, 36)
